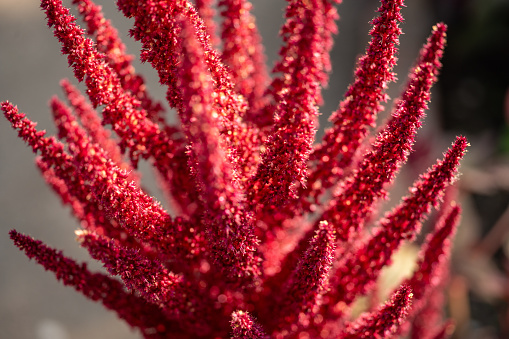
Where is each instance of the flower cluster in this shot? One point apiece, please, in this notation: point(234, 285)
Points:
point(273, 234)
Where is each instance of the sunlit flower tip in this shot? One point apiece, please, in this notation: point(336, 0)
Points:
point(358, 111)
point(405, 219)
point(244, 326)
point(384, 321)
point(109, 43)
point(433, 50)
point(50, 149)
point(283, 168)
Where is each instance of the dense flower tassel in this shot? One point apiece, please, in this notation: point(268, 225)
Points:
point(207, 12)
point(120, 199)
point(138, 134)
point(244, 327)
point(90, 216)
point(296, 92)
point(302, 295)
point(383, 322)
point(123, 201)
point(53, 158)
point(170, 292)
point(353, 201)
point(115, 54)
point(433, 259)
point(270, 236)
point(360, 269)
point(229, 226)
point(157, 28)
point(358, 111)
point(243, 53)
point(98, 287)
point(92, 124)
point(59, 170)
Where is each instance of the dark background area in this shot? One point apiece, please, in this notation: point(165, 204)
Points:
point(469, 99)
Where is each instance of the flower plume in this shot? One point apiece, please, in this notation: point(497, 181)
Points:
point(384, 321)
point(269, 233)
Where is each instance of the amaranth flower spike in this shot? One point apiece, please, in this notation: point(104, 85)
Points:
point(267, 236)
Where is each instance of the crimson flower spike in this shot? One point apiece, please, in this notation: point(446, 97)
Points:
point(98, 287)
point(430, 277)
point(357, 112)
point(230, 228)
point(243, 53)
point(92, 123)
point(94, 216)
point(353, 201)
point(91, 217)
point(88, 220)
point(428, 323)
point(433, 257)
point(121, 200)
point(140, 135)
point(303, 293)
point(152, 18)
point(170, 292)
point(109, 43)
point(60, 172)
point(135, 211)
point(383, 322)
point(296, 92)
point(206, 11)
point(137, 133)
point(52, 151)
point(244, 327)
point(362, 267)
point(58, 168)
point(159, 34)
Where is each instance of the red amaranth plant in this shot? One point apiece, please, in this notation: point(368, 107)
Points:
point(272, 234)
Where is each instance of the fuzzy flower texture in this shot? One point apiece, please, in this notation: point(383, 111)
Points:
point(269, 233)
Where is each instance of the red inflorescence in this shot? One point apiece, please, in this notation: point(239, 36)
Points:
point(270, 237)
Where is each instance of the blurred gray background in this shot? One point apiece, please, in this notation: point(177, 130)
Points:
point(32, 303)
